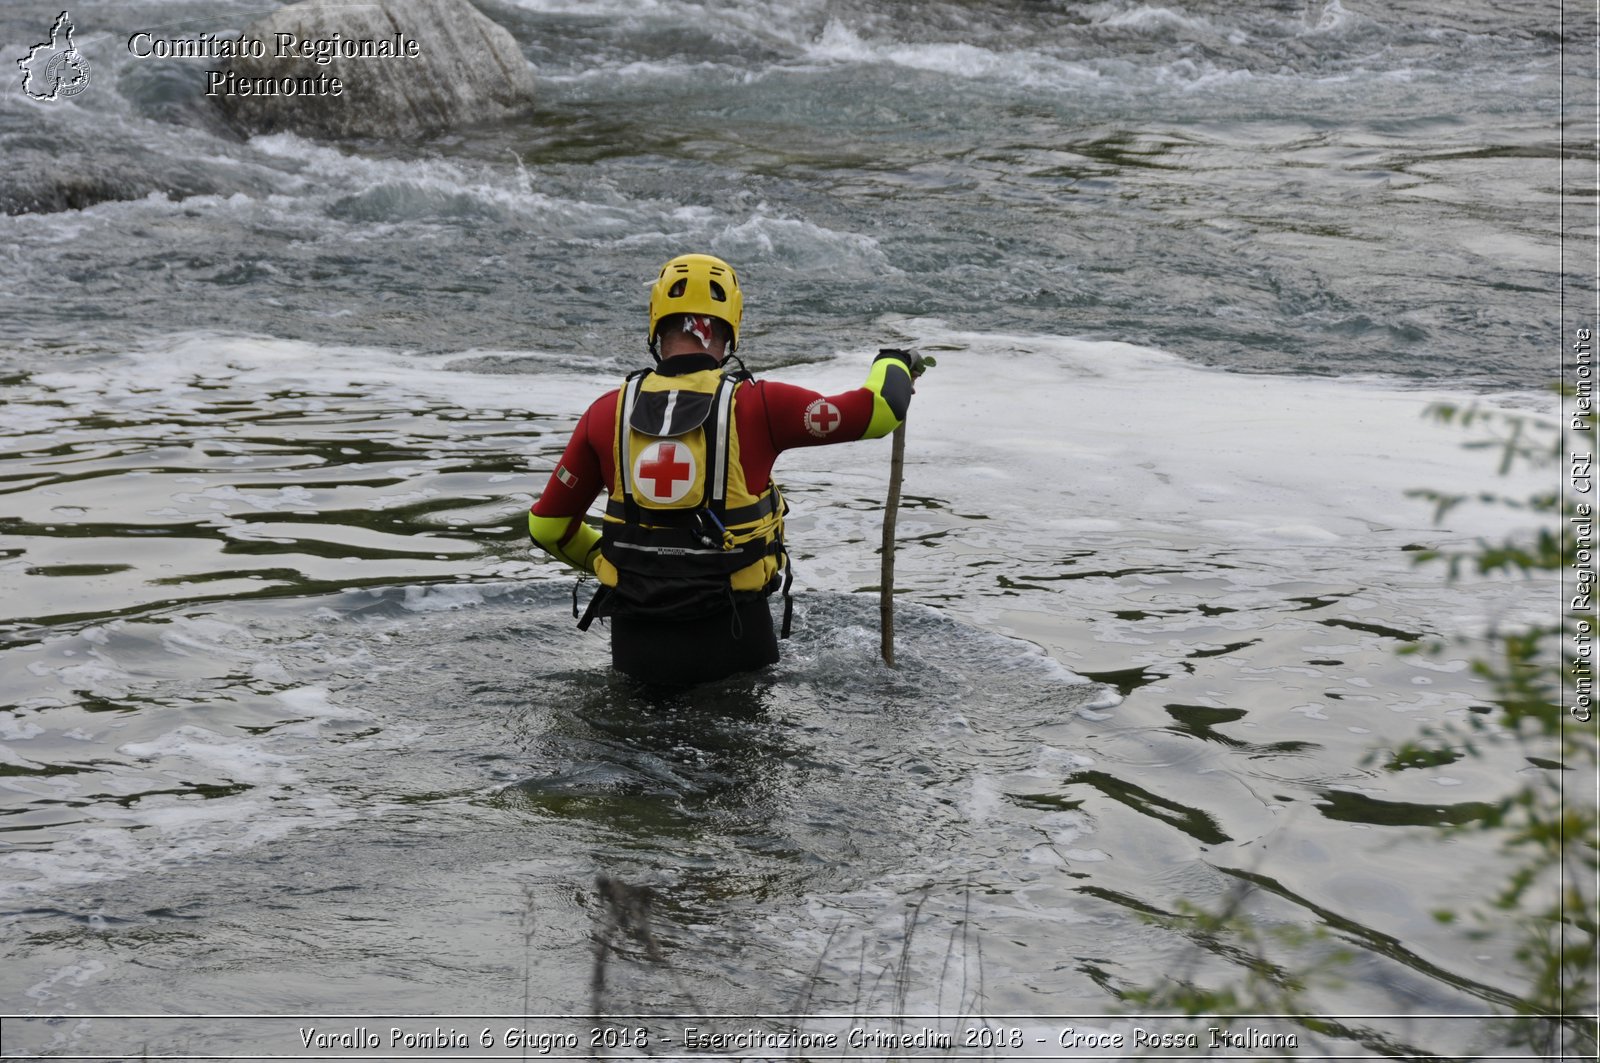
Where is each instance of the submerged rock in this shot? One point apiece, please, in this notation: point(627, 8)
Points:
point(386, 69)
point(69, 170)
point(34, 182)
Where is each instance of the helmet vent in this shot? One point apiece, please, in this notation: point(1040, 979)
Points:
point(717, 293)
point(676, 291)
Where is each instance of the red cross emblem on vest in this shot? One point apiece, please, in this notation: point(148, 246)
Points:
point(664, 471)
point(822, 417)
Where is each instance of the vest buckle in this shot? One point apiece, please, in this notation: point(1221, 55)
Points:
point(711, 532)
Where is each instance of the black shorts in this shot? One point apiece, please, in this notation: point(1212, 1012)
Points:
point(681, 652)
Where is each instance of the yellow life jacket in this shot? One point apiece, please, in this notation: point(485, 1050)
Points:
point(682, 530)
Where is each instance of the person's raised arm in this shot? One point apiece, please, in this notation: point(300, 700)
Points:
point(800, 417)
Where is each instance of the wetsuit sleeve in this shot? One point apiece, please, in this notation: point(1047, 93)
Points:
point(556, 519)
point(890, 384)
point(568, 538)
point(800, 417)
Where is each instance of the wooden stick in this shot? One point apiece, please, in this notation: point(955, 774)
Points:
point(897, 460)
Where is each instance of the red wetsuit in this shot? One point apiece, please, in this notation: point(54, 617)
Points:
point(771, 417)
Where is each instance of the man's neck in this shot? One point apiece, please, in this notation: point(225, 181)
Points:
point(680, 364)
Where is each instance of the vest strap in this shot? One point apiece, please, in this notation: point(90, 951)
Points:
point(718, 443)
point(630, 396)
point(594, 606)
point(788, 599)
point(685, 518)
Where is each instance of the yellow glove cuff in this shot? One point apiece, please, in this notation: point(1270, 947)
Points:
point(581, 547)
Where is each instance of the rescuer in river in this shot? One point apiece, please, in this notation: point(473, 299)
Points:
point(691, 544)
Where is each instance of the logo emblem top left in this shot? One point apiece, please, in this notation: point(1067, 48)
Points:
point(55, 68)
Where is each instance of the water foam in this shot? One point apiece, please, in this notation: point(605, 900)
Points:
point(841, 43)
point(1132, 434)
point(198, 762)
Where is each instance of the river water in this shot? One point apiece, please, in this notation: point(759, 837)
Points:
point(296, 724)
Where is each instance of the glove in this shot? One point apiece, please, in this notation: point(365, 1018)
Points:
point(910, 356)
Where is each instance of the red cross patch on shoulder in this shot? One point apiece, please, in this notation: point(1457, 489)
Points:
point(822, 417)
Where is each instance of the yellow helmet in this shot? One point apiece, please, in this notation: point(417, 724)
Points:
point(697, 284)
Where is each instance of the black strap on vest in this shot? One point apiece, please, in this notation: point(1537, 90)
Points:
point(594, 604)
point(788, 599)
point(688, 518)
